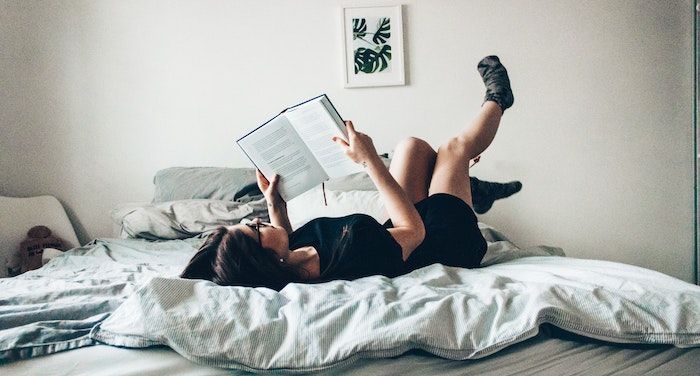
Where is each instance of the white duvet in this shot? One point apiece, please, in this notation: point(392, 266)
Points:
point(451, 312)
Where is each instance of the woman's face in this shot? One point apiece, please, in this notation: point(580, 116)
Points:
point(271, 237)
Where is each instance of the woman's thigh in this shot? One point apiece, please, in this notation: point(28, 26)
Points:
point(412, 166)
point(451, 172)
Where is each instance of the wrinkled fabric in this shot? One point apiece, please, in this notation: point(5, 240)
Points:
point(213, 183)
point(53, 308)
point(184, 219)
point(450, 312)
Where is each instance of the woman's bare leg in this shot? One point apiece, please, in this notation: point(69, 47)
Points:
point(451, 172)
point(412, 166)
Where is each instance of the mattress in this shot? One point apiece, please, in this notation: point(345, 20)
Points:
point(552, 352)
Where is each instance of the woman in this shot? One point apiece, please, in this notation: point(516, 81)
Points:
point(426, 194)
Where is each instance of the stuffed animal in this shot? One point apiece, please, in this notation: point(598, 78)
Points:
point(32, 248)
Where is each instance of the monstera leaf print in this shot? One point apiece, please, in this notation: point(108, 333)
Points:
point(373, 54)
point(383, 31)
point(359, 56)
point(370, 61)
point(359, 28)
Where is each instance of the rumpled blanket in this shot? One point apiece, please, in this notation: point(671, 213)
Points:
point(54, 308)
point(451, 312)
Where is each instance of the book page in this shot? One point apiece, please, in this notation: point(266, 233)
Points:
point(317, 127)
point(276, 148)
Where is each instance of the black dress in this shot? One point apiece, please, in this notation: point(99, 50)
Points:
point(357, 245)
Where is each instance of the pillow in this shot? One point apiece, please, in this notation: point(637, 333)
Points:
point(355, 182)
point(184, 218)
point(212, 183)
point(119, 212)
point(222, 183)
point(309, 205)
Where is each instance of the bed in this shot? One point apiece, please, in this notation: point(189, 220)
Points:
point(118, 302)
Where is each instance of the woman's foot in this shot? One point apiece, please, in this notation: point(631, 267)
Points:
point(484, 193)
point(497, 83)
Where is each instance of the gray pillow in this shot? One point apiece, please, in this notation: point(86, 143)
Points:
point(213, 183)
point(185, 218)
point(222, 183)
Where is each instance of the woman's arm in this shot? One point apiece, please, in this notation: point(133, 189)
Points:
point(279, 217)
point(408, 229)
point(276, 206)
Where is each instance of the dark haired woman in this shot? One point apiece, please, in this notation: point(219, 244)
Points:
point(426, 194)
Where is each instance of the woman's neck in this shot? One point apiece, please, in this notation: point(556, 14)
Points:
point(306, 258)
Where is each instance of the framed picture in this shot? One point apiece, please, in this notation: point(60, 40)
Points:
point(373, 46)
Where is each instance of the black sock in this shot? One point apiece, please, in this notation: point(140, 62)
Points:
point(497, 83)
point(484, 193)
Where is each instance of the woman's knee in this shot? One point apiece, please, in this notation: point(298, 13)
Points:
point(457, 147)
point(413, 145)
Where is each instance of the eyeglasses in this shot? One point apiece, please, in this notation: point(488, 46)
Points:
point(256, 226)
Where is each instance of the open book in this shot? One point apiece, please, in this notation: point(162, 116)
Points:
point(297, 145)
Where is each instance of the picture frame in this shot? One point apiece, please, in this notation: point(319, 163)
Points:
point(373, 46)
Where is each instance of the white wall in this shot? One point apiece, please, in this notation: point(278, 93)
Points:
point(95, 97)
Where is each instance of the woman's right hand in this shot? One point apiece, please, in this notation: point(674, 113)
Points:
point(358, 147)
point(270, 189)
point(277, 207)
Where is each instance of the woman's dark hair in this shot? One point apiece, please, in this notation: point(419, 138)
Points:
point(232, 258)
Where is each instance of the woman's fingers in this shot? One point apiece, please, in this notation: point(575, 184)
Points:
point(262, 180)
point(274, 183)
point(340, 141)
point(349, 126)
point(358, 145)
point(352, 133)
point(267, 185)
point(272, 194)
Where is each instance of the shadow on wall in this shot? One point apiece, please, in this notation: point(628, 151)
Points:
point(78, 227)
point(38, 115)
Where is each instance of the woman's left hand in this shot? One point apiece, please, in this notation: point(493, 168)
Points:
point(270, 189)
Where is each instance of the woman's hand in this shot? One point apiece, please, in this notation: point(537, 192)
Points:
point(270, 189)
point(277, 208)
point(358, 147)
